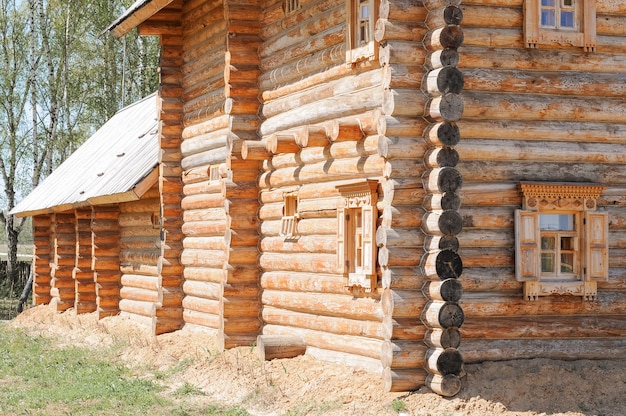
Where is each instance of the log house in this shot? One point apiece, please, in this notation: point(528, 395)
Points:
point(404, 186)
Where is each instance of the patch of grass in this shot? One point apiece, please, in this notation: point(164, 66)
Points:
point(233, 411)
point(398, 405)
point(36, 378)
point(188, 389)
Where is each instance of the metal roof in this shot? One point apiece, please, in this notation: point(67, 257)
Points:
point(116, 164)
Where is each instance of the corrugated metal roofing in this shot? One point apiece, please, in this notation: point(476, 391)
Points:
point(112, 162)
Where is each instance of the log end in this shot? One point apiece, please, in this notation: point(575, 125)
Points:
point(279, 346)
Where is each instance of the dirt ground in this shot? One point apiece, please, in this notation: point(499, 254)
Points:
point(305, 386)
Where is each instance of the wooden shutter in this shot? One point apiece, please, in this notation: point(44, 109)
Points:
point(531, 23)
point(589, 25)
point(596, 246)
point(527, 249)
point(369, 247)
point(342, 252)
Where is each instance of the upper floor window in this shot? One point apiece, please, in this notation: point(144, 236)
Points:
point(361, 19)
point(560, 22)
point(289, 221)
point(561, 240)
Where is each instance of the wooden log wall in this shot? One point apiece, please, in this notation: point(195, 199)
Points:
point(549, 114)
point(42, 260)
point(105, 229)
point(220, 198)
point(141, 289)
point(320, 130)
point(83, 274)
point(63, 234)
point(168, 315)
point(399, 237)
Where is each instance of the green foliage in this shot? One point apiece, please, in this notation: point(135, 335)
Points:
point(188, 389)
point(79, 381)
point(398, 405)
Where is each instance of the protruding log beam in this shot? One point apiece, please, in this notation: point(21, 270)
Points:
point(398, 379)
point(345, 130)
point(449, 290)
point(447, 79)
point(443, 134)
point(441, 157)
point(254, 150)
point(447, 385)
point(279, 346)
point(445, 201)
point(444, 362)
point(441, 265)
point(282, 143)
point(447, 222)
point(312, 136)
point(443, 338)
point(441, 180)
point(442, 57)
point(450, 36)
point(436, 243)
point(403, 354)
point(440, 314)
point(447, 107)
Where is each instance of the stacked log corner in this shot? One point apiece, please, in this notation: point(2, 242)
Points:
point(168, 314)
point(400, 31)
point(84, 283)
point(42, 262)
point(441, 264)
point(105, 229)
point(63, 235)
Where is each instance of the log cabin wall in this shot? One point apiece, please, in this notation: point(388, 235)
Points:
point(83, 274)
point(551, 114)
point(168, 315)
point(105, 229)
point(42, 259)
point(321, 129)
point(141, 291)
point(220, 203)
point(63, 240)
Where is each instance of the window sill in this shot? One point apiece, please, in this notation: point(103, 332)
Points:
point(534, 289)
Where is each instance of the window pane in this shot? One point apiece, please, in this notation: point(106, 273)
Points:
point(547, 3)
point(561, 222)
point(567, 243)
point(547, 262)
point(568, 3)
point(547, 243)
point(567, 19)
point(567, 262)
point(547, 18)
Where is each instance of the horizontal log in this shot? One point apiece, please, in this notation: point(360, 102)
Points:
point(449, 290)
point(403, 354)
point(447, 385)
point(440, 314)
point(444, 361)
point(402, 303)
point(270, 347)
point(362, 346)
point(255, 150)
point(303, 282)
point(399, 256)
point(399, 237)
point(558, 349)
point(443, 338)
point(140, 295)
point(341, 306)
point(403, 379)
point(146, 309)
point(282, 143)
point(205, 306)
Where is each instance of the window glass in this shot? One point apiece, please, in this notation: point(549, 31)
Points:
point(554, 222)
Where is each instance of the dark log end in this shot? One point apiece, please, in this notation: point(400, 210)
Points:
point(451, 201)
point(450, 80)
point(450, 222)
point(452, 15)
point(449, 133)
point(449, 180)
point(452, 36)
point(443, 338)
point(448, 265)
point(451, 315)
point(448, 385)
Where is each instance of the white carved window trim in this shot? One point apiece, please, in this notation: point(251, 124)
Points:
point(582, 35)
point(361, 44)
point(289, 221)
point(591, 239)
point(357, 217)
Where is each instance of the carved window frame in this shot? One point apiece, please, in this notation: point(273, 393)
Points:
point(361, 44)
point(289, 220)
point(583, 34)
point(357, 218)
point(591, 236)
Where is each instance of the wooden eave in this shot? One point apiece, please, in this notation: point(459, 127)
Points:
point(138, 13)
point(133, 195)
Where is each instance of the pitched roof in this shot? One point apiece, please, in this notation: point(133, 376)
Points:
point(136, 14)
point(116, 164)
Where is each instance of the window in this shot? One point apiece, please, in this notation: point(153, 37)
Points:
point(561, 22)
point(561, 240)
point(361, 18)
point(356, 248)
point(291, 6)
point(289, 222)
